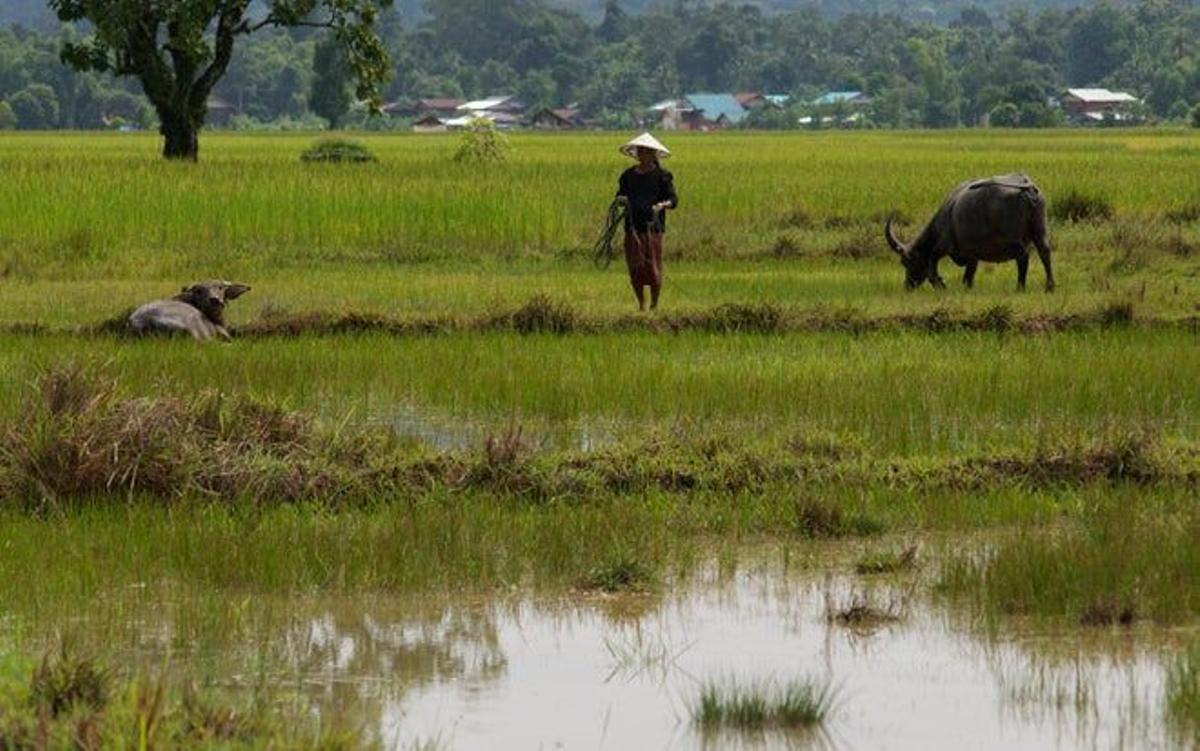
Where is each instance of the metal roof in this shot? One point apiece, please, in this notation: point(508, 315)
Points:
point(1101, 96)
point(834, 97)
point(715, 105)
point(482, 105)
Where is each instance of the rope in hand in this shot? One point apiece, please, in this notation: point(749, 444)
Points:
point(605, 251)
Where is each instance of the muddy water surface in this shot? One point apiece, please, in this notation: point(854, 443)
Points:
point(593, 671)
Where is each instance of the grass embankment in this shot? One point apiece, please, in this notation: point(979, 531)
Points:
point(80, 435)
point(886, 394)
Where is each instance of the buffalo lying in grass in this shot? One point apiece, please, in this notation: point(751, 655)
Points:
point(992, 220)
point(198, 310)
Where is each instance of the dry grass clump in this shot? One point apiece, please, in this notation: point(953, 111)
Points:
point(1125, 456)
point(798, 218)
point(787, 246)
point(823, 519)
point(544, 315)
point(71, 701)
point(1077, 206)
point(739, 318)
point(1185, 214)
point(81, 438)
point(67, 681)
point(1115, 313)
point(864, 242)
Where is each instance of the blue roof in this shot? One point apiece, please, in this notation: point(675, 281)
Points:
point(715, 105)
point(833, 97)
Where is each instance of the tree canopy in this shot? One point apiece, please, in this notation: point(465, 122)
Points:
point(619, 60)
point(181, 49)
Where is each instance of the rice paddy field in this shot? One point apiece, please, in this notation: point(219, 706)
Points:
point(447, 488)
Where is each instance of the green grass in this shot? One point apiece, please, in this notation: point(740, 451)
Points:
point(70, 701)
point(753, 707)
point(903, 393)
point(1115, 565)
point(110, 202)
point(521, 428)
point(1183, 694)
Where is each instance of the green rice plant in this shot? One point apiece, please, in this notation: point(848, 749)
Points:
point(623, 573)
point(800, 704)
point(1117, 565)
point(887, 561)
point(1183, 694)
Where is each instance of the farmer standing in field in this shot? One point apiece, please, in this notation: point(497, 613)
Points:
point(650, 191)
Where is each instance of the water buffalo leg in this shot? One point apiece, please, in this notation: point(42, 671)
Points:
point(934, 277)
point(1043, 249)
point(969, 273)
point(1022, 270)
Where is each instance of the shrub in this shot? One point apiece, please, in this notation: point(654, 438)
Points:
point(8, 118)
point(64, 682)
point(482, 143)
point(338, 151)
point(1004, 115)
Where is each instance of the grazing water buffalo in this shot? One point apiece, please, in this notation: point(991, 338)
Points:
point(992, 220)
point(198, 310)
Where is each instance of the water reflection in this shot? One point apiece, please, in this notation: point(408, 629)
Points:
point(621, 672)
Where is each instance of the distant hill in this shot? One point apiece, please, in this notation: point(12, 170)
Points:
point(34, 13)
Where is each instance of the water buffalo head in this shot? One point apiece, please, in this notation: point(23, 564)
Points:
point(916, 265)
point(210, 298)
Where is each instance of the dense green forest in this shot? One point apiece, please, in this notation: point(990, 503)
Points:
point(614, 64)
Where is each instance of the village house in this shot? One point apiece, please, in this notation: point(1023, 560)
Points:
point(220, 112)
point(429, 124)
point(420, 108)
point(1097, 105)
point(564, 118)
point(698, 112)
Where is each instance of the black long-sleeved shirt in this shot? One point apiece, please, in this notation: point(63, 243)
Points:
point(644, 189)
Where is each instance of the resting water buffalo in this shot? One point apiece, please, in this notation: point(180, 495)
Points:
point(198, 310)
point(981, 220)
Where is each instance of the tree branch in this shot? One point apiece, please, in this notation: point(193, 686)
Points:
point(249, 28)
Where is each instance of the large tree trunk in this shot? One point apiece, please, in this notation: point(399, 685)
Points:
point(181, 138)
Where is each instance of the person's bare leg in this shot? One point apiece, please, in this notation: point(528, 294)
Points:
point(633, 262)
point(656, 271)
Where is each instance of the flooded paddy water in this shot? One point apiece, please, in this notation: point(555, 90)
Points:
point(620, 671)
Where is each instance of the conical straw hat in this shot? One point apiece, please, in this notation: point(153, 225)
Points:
point(647, 141)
